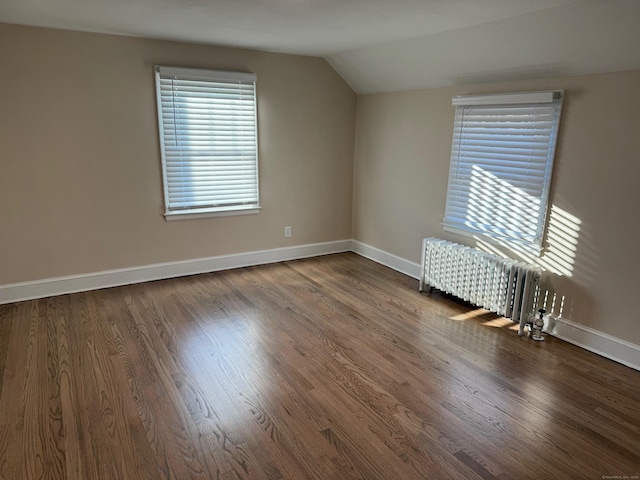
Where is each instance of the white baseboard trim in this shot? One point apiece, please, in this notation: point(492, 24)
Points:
point(387, 259)
point(588, 338)
point(49, 287)
point(595, 341)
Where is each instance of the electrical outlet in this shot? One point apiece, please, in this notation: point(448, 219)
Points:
point(287, 232)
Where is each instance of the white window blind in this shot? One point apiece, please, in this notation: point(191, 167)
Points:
point(501, 163)
point(208, 137)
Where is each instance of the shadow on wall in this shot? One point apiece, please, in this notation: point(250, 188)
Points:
point(559, 294)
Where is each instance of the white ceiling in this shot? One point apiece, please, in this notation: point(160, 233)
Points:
point(378, 45)
point(588, 36)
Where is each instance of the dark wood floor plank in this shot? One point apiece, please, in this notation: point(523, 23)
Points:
point(35, 448)
point(69, 404)
point(325, 368)
point(113, 407)
point(209, 401)
point(6, 324)
point(12, 352)
point(151, 371)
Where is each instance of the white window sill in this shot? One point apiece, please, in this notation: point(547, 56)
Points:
point(192, 214)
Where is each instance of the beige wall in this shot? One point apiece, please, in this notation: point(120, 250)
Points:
point(403, 143)
point(81, 191)
point(80, 181)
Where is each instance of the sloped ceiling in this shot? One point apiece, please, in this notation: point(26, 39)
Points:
point(379, 45)
point(574, 39)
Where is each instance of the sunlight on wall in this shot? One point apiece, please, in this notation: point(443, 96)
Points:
point(497, 206)
point(562, 242)
point(557, 257)
point(500, 206)
point(559, 253)
point(551, 302)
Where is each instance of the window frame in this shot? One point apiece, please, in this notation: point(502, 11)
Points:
point(205, 75)
point(495, 233)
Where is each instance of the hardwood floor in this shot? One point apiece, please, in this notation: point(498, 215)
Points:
point(326, 368)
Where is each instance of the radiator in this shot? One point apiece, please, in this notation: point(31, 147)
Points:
point(501, 285)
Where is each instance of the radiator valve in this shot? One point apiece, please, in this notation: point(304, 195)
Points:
point(537, 324)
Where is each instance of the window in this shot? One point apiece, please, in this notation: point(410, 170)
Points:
point(208, 140)
point(501, 163)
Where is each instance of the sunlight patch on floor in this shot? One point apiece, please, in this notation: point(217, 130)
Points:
point(468, 315)
point(498, 322)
